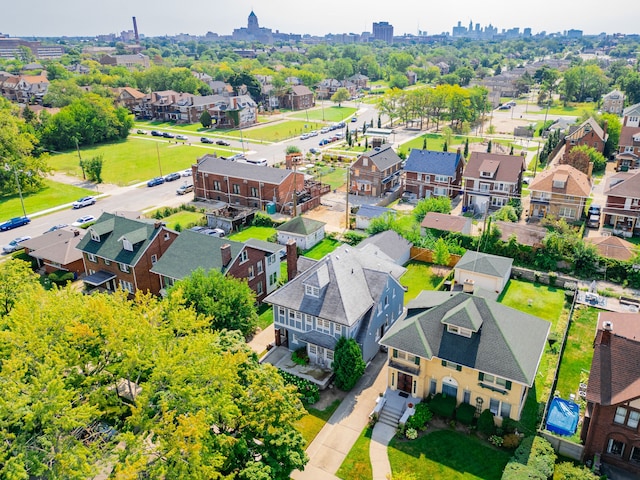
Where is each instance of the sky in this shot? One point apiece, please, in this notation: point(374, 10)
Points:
point(56, 18)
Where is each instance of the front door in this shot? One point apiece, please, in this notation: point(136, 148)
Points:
point(405, 382)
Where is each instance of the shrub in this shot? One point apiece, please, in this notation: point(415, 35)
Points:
point(465, 413)
point(261, 219)
point(569, 471)
point(496, 440)
point(517, 471)
point(61, 277)
point(509, 425)
point(309, 392)
point(411, 433)
point(486, 424)
point(353, 238)
point(420, 418)
point(537, 453)
point(300, 356)
point(511, 440)
point(443, 406)
point(347, 363)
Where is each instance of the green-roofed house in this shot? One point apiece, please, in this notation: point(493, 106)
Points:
point(482, 270)
point(468, 347)
point(306, 232)
point(118, 252)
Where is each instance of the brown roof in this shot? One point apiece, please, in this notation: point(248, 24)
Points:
point(586, 127)
point(131, 91)
point(58, 246)
point(301, 90)
point(613, 247)
point(507, 167)
point(34, 78)
point(445, 222)
point(577, 185)
point(525, 234)
point(615, 371)
point(626, 136)
point(629, 187)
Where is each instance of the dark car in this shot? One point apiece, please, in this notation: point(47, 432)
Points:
point(324, 141)
point(206, 140)
point(168, 135)
point(222, 142)
point(155, 181)
point(172, 176)
point(594, 210)
point(314, 150)
point(354, 119)
point(14, 223)
point(156, 133)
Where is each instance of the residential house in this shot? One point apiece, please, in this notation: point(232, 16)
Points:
point(306, 232)
point(128, 97)
point(119, 252)
point(430, 173)
point(359, 80)
point(467, 347)
point(57, 250)
point(631, 116)
point(587, 133)
point(244, 184)
point(327, 87)
point(348, 293)
point(613, 247)
point(390, 244)
point(27, 89)
point(298, 97)
point(561, 190)
point(130, 61)
point(226, 111)
point(622, 208)
point(412, 77)
point(9, 86)
point(258, 263)
point(446, 223)
point(482, 270)
point(628, 156)
point(366, 213)
point(613, 102)
point(612, 416)
point(160, 106)
point(491, 180)
point(375, 172)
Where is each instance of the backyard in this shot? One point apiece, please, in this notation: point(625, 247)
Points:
point(326, 246)
point(259, 233)
point(419, 276)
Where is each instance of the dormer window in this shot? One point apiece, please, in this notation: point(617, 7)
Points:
point(94, 235)
point(558, 183)
point(311, 291)
point(127, 245)
point(486, 174)
point(464, 332)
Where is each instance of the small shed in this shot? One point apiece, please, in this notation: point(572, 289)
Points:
point(482, 270)
point(366, 213)
point(306, 232)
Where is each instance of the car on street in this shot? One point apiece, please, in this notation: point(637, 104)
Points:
point(304, 136)
point(155, 133)
point(341, 125)
point(314, 150)
point(313, 133)
point(14, 223)
point(182, 137)
point(206, 140)
point(141, 132)
point(168, 135)
point(14, 245)
point(354, 119)
point(324, 130)
point(84, 202)
point(83, 221)
point(222, 142)
point(172, 177)
point(155, 181)
point(182, 189)
point(187, 172)
point(56, 227)
point(322, 142)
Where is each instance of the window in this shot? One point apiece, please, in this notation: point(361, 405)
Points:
point(216, 185)
point(491, 379)
point(466, 396)
point(365, 162)
point(484, 187)
point(236, 189)
point(166, 237)
point(259, 288)
point(426, 178)
point(295, 319)
point(308, 322)
point(259, 265)
point(94, 236)
point(271, 259)
point(128, 286)
point(566, 212)
point(498, 201)
point(311, 291)
point(635, 454)
point(329, 354)
point(615, 447)
point(505, 410)
point(323, 326)
point(251, 272)
point(465, 332)
point(127, 245)
point(633, 419)
point(386, 300)
point(442, 178)
point(91, 257)
point(244, 256)
point(124, 267)
point(433, 385)
point(440, 192)
point(406, 356)
point(486, 174)
point(273, 278)
point(154, 259)
point(452, 365)
point(107, 262)
point(621, 415)
point(254, 192)
point(494, 406)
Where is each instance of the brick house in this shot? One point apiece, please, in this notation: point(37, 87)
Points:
point(298, 97)
point(226, 111)
point(430, 173)
point(622, 208)
point(160, 105)
point(119, 252)
point(57, 250)
point(628, 155)
point(561, 190)
point(329, 86)
point(244, 184)
point(491, 180)
point(130, 61)
point(613, 102)
point(610, 426)
point(375, 171)
point(587, 133)
point(128, 97)
point(258, 263)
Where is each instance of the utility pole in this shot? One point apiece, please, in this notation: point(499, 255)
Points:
point(348, 188)
point(159, 165)
point(84, 177)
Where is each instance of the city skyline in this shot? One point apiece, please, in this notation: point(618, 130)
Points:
point(196, 17)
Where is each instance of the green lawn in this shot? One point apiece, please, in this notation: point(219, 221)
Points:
point(448, 455)
point(172, 126)
point(134, 160)
point(571, 109)
point(259, 233)
point(334, 176)
point(436, 141)
point(276, 132)
point(52, 195)
point(265, 316)
point(327, 245)
point(419, 276)
point(314, 420)
point(357, 464)
point(183, 218)
point(331, 114)
point(546, 302)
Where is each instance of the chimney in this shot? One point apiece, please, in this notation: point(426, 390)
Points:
point(135, 30)
point(606, 126)
point(468, 285)
point(225, 253)
point(157, 224)
point(459, 151)
point(605, 337)
point(292, 259)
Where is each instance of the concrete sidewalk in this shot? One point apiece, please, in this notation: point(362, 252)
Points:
point(331, 446)
point(380, 438)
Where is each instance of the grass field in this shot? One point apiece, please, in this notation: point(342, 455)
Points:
point(546, 302)
point(259, 233)
point(334, 176)
point(330, 114)
point(135, 160)
point(357, 464)
point(265, 316)
point(184, 218)
point(327, 245)
point(314, 420)
point(571, 109)
point(52, 195)
point(419, 277)
point(276, 132)
point(436, 141)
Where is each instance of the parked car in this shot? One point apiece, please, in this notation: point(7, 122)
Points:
point(182, 137)
point(155, 133)
point(594, 210)
point(83, 221)
point(168, 135)
point(14, 223)
point(155, 181)
point(213, 232)
point(354, 119)
point(141, 132)
point(322, 142)
point(206, 140)
point(84, 202)
point(341, 125)
point(222, 142)
point(56, 227)
point(324, 130)
point(314, 150)
point(14, 245)
point(182, 189)
point(187, 172)
point(304, 136)
point(594, 221)
point(172, 176)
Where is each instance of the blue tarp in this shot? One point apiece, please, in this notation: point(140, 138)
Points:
point(563, 417)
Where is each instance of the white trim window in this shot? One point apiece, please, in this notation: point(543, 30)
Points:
point(615, 447)
point(566, 212)
point(244, 256)
point(123, 267)
point(323, 326)
point(128, 286)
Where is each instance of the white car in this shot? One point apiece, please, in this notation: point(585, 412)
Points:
point(182, 137)
point(14, 245)
point(83, 221)
point(84, 202)
point(187, 172)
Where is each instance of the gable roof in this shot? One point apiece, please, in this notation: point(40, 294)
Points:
point(435, 163)
point(586, 127)
point(350, 283)
point(526, 234)
point(613, 247)
point(193, 250)
point(498, 348)
point(299, 90)
point(389, 242)
point(613, 378)
point(382, 157)
point(485, 263)
point(263, 245)
point(300, 225)
point(446, 222)
point(58, 246)
point(629, 135)
point(211, 164)
point(577, 183)
point(631, 110)
point(373, 211)
point(627, 188)
point(508, 167)
point(112, 229)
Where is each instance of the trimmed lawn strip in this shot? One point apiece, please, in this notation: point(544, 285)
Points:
point(419, 277)
point(311, 424)
point(265, 316)
point(330, 114)
point(326, 246)
point(357, 464)
point(435, 141)
point(51, 195)
point(447, 454)
point(259, 233)
point(184, 218)
point(334, 176)
point(277, 131)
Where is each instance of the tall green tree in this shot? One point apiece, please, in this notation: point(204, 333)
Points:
point(205, 119)
point(341, 95)
point(348, 364)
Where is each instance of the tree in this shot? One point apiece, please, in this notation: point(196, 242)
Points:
point(93, 168)
point(445, 147)
point(16, 280)
point(466, 148)
point(441, 254)
point(341, 95)
point(341, 68)
point(582, 155)
point(292, 149)
point(424, 142)
point(398, 81)
point(227, 302)
point(205, 119)
point(489, 147)
point(614, 128)
point(348, 364)
point(431, 204)
point(379, 122)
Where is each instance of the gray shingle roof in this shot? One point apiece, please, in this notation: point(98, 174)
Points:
point(485, 263)
point(210, 164)
point(432, 162)
point(383, 157)
point(373, 211)
point(389, 243)
point(263, 245)
point(499, 348)
point(300, 225)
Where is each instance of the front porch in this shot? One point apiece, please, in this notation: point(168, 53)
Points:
point(280, 357)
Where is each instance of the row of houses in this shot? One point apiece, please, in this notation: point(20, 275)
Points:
point(26, 89)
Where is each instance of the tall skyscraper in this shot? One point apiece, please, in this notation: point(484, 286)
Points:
point(383, 31)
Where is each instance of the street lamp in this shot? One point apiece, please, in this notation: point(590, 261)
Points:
point(8, 167)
